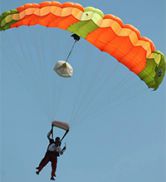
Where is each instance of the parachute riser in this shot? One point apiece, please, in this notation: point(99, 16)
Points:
point(64, 135)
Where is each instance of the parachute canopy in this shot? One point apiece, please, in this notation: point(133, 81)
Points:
point(64, 69)
point(61, 125)
point(106, 32)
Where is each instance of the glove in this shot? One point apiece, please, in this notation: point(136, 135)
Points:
point(64, 148)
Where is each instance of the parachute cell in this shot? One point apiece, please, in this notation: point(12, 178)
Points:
point(106, 32)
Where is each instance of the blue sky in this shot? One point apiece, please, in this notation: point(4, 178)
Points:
point(118, 129)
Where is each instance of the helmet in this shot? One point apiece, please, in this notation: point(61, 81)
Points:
point(57, 139)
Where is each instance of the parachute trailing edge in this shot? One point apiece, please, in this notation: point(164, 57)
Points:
point(106, 32)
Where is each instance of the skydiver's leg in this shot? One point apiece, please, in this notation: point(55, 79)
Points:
point(53, 165)
point(43, 163)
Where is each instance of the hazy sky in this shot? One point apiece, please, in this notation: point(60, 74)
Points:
point(118, 129)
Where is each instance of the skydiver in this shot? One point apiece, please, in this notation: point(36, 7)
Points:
point(53, 151)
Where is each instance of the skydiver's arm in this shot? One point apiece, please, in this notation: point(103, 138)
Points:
point(49, 135)
point(62, 151)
